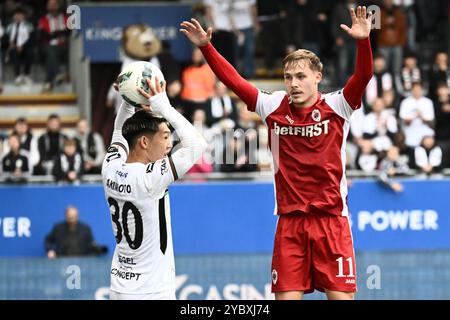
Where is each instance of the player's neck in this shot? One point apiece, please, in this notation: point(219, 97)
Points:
point(134, 157)
point(312, 100)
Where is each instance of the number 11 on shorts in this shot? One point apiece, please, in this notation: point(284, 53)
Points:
point(341, 267)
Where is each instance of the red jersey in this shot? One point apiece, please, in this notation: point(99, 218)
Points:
point(308, 144)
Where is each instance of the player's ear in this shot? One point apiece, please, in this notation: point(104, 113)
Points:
point(318, 77)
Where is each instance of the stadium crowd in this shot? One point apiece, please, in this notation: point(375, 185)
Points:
point(403, 127)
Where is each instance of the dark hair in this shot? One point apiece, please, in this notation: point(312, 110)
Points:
point(21, 120)
point(20, 9)
point(141, 123)
point(53, 116)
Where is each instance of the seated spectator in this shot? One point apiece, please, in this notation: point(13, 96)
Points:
point(380, 125)
point(71, 238)
point(222, 106)
point(406, 152)
point(367, 158)
point(204, 164)
point(28, 141)
point(428, 156)
point(237, 154)
point(392, 35)
point(442, 107)
point(2, 31)
point(15, 164)
point(417, 113)
point(20, 53)
point(381, 81)
point(54, 36)
point(198, 83)
point(90, 145)
point(69, 164)
point(392, 166)
point(439, 74)
point(50, 145)
point(409, 74)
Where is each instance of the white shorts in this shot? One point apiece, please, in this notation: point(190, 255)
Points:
point(167, 295)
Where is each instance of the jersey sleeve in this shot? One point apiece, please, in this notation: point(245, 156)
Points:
point(339, 104)
point(159, 175)
point(268, 102)
point(117, 152)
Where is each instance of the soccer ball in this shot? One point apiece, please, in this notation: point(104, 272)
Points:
point(135, 76)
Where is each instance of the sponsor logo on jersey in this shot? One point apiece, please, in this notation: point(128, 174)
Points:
point(164, 168)
point(288, 118)
point(125, 275)
point(122, 188)
point(309, 131)
point(316, 115)
point(121, 174)
point(274, 276)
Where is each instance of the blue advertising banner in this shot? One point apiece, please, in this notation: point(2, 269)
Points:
point(101, 27)
point(231, 217)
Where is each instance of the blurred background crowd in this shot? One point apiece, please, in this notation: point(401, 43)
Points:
point(403, 128)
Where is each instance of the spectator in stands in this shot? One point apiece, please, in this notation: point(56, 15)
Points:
point(2, 32)
point(28, 141)
point(428, 156)
point(439, 74)
point(303, 24)
point(406, 152)
point(263, 155)
point(54, 36)
point(442, 108)
point(71, 238)
point(392, 35)
point(15, 164)
point(221, 105)
point(345, 46)
point(50, 145)
point(90, 145)
point(381, 81)
point(20, 54)
point(69, 165)
point(271, 17)
point(392, 166)
point(417, 113)
point(367, 157)
point(244, 22)
point(204, 164)
point(218, 17)
point(410, 73)
point(198, 83)
point(237, 155)
point(380, 126)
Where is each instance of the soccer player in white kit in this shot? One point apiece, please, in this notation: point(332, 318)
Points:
point(136, 173)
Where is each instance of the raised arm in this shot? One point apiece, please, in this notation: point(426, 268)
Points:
point(360, 31)
point(192, 145)
point(220, 66)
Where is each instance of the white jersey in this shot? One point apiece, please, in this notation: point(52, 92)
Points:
point(138, 200)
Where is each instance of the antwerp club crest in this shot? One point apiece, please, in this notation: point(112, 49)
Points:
point(316, 115)
point(274, 276)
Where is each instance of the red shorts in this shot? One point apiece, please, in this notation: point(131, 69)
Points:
point(313, 252)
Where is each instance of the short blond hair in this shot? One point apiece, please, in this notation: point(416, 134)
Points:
point(301, 54)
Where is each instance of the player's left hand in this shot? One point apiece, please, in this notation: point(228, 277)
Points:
point(361, 23)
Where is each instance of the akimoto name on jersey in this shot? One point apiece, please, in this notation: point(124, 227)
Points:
point(309, 131)
point(122, 188)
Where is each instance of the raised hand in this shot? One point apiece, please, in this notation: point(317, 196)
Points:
point(361, 24)
point(195, 33)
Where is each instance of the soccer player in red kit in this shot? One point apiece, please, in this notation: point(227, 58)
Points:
point(313, 246)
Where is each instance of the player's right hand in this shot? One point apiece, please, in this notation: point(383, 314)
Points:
point(153, 90)
point(195, 33)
